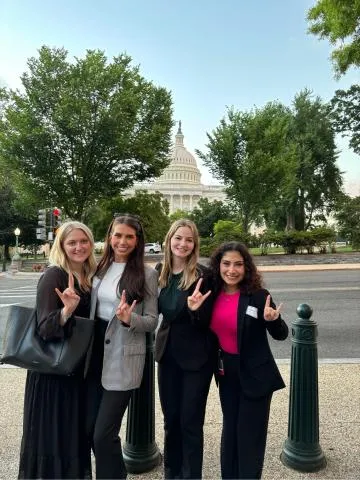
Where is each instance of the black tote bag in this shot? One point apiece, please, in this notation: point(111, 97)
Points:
point(23, 347)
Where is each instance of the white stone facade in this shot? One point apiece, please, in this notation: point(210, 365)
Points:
point(180, 183)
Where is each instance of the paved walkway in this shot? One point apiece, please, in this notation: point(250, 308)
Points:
point(339, 393)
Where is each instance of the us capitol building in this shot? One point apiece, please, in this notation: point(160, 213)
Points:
point(180, 182)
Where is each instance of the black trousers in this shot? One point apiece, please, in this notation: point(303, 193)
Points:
point(183, 396)
point(105, 411)
point(245, 424)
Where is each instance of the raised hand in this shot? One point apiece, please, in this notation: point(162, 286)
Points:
point(69, 297)
point(195, 300)
point(124, 310)
point(270, 313)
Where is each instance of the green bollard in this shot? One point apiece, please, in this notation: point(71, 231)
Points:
point(301, 449)
point(140, 451)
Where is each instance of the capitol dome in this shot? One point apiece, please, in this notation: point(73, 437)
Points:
point(183, 168)
point(180, 182)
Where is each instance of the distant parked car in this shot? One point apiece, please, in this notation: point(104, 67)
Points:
point(152, 248)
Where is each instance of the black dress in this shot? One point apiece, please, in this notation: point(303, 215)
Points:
point(54, 443)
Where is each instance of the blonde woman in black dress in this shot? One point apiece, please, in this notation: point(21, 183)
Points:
point(54, 441)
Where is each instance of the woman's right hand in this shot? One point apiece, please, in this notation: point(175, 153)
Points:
point(195, 300)
point(69, 297)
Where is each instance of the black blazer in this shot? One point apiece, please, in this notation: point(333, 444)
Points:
point(258, 372)
point(187, 337)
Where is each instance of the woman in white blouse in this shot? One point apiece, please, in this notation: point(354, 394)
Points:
point(125, 292)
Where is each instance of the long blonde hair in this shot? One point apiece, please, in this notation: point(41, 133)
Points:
point(190, 272)
point(58, 256)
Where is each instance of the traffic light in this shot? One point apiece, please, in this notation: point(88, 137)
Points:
point(56, 217)
point(41, 230)
point(56, 220)
point(42, 218)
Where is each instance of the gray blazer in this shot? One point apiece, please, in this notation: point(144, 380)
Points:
point(125, 347)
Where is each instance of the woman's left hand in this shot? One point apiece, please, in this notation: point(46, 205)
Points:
point(69, 297)
point(270, 313)
point(124, 310)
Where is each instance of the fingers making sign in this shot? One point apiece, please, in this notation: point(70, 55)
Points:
point(124, 310)
point(270, 313)
point(69, 297)
point(197, 298)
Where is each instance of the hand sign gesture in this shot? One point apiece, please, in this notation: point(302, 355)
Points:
point(270, 313)
point(69, 297)
point(197, 298)
point(124, 310)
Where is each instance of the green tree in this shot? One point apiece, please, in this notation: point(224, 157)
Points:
point(339, 22)
point(227, 230)
point(247, 152)
point(346, 115)
point(152, 209)
point(207, 213)
point(316, 180)
point(178, 214)
point(84, 130)
point(348, 218)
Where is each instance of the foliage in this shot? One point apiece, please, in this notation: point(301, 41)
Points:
point(14, 213)
point(227, 231)
point(348, 218)
point(315, 179)
point(266, 239)
point(207, 213)
point(179, 214)
point(279, 164)
point(346, 115)
point(248, 153)
point(82, 131)
point(207, 246)
point(295, 241)
point(152, 209)
point(339, 22)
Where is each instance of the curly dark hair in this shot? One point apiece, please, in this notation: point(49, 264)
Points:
point(133, 277)
point(252, 279)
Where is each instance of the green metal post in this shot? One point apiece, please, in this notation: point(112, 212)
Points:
point(140, 451)
point(301, 449)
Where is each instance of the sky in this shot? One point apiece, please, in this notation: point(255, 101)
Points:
point(211, 54)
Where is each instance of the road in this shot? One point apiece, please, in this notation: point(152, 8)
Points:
point(333, 295)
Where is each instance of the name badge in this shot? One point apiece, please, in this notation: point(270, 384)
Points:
point(252, 311)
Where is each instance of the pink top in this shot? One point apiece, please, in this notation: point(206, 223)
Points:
point(224, 320)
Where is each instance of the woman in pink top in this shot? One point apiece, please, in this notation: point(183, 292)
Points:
point(242, 312)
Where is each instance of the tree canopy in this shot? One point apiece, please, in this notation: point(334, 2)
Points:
point(348, 218)
point(346, 115)
point(279, 163)
point(152, 209)
point(249, 166)
point(207, 213)
point(339, 22)
point(84, 130)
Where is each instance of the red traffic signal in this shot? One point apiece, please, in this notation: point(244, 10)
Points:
point(56, 212)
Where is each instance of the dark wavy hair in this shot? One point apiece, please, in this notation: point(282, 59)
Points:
point(252, 280)
point(133, 277)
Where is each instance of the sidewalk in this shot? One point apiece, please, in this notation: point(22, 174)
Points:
point(261, 268)
point(339, 393)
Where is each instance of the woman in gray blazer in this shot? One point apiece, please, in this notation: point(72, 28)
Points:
point(125, 292)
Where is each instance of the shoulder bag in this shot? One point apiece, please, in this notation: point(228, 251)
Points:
point(23, 347)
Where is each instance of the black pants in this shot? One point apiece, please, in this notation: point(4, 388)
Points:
point(245, 423)
point(105, 411)
point(183, 396)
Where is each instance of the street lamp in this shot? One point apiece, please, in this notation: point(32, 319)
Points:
point(16, 256)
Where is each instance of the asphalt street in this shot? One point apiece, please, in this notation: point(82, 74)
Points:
point(334, 297)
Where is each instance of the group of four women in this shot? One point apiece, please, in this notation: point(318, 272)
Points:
point(214, 321)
